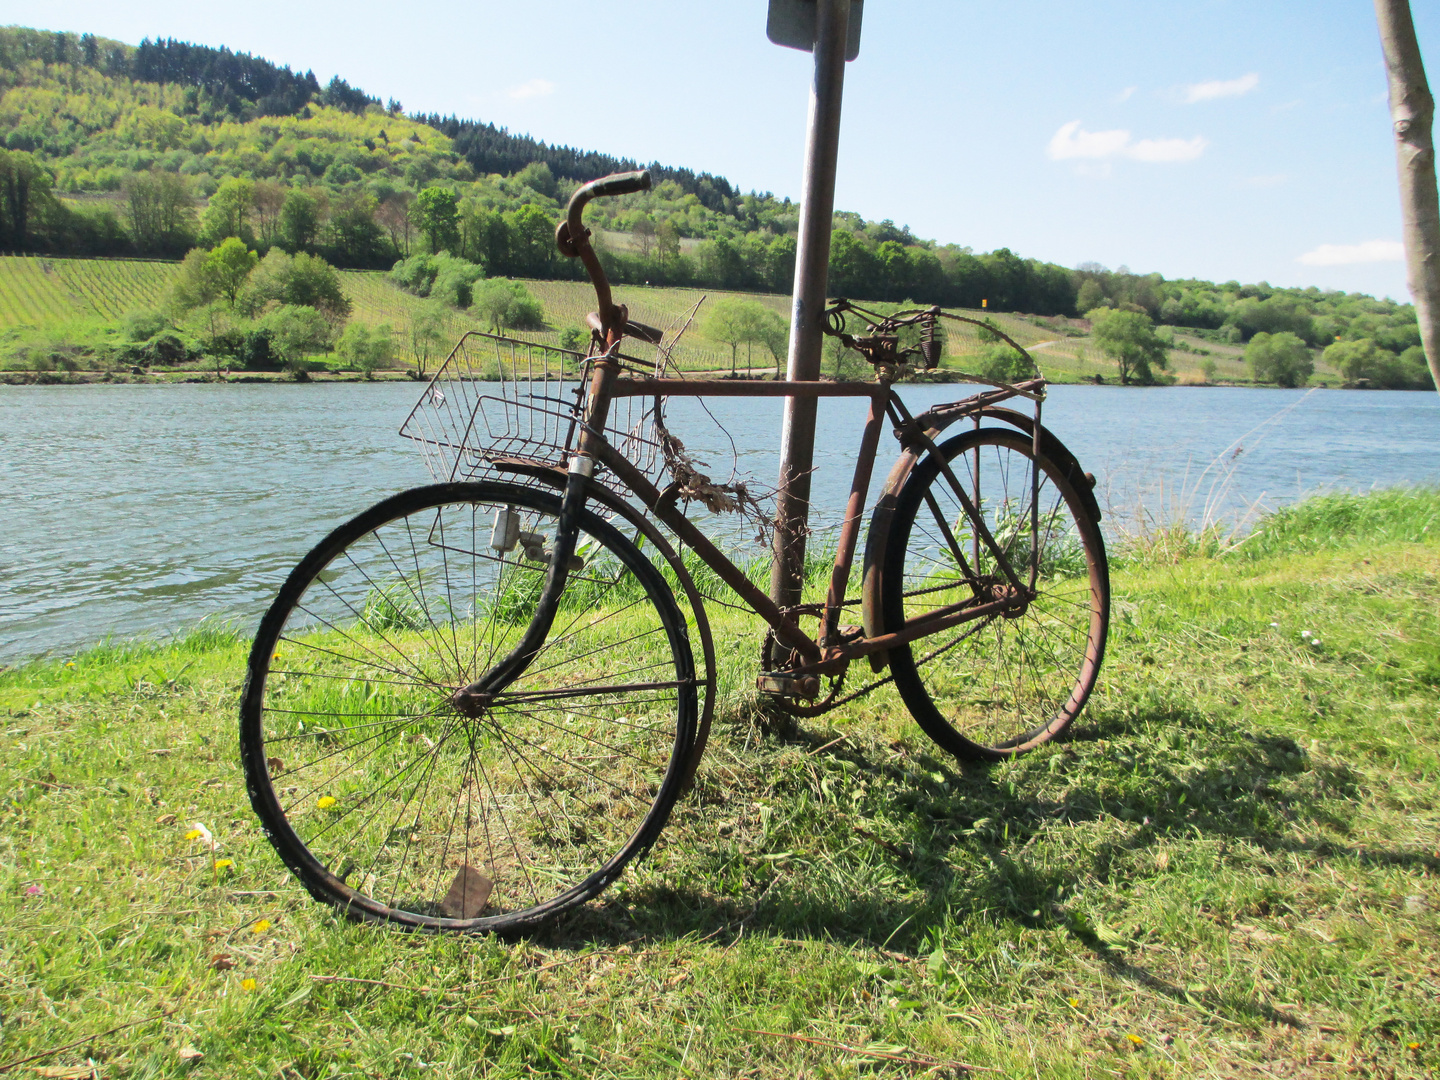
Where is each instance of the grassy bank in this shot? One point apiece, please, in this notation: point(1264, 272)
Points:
point(1229, 868)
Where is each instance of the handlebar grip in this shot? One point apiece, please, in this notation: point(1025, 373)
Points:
point(619, 184)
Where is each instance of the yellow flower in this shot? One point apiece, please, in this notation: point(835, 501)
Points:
point(261, 926)
point(1074, 1002)
point(193, 834)
point(247, 984)
point(1412, 1046)
point(326, 801)
point(224, 864)
point(1136, 1039)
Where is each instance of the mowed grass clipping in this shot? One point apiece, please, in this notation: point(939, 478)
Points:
point(1228, 868)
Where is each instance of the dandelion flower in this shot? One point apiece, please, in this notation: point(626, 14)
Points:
point(1136, 1039)
point(200, 832)
point(325, 802)
point(1412, 1046)
point(193, 834)
point(1074, 1002)
point(224, 864)
point(247, 984)
point(261, 926)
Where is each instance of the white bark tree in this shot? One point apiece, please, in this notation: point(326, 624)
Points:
point(1412, 112)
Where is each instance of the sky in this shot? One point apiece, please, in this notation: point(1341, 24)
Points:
point(1218, 139)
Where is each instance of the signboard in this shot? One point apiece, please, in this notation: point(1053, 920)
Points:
point(792, 23)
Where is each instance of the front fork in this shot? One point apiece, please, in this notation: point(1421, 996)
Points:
point(473, 699)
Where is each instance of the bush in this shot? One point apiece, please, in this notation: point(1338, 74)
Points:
point(1004, 364)
point(296, 331)
point(255, 352)
point(1281, 359)
point(143, 324)
point(506, 304)
point(365, 349)
point(445, 277)
point(1365, 364)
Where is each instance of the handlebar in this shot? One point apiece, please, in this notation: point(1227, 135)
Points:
point(573, 240)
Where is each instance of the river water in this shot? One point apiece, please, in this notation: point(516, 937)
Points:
point(130, 510)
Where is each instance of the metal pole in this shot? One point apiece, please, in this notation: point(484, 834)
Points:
point(812, 265)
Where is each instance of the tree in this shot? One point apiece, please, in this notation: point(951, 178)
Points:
point(228, 266)
point(1280, 358)
point(298, 280)
point(502, 304)
point(532, 236)
point(300, 219)
point(228, 212)
point(726, 323)
point(158, 210)
point(24, 189)
point(295, 332)
point(216, 324)
point(268, 199)
point(1365, 364)
point(427, 331)
point(1129, 338)
point(194, 285)
point(366, 349)
point(394, 217)
point(438, 210)
point(355, 237)
point(1412, 112)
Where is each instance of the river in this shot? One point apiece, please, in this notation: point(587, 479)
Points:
point(144, 509)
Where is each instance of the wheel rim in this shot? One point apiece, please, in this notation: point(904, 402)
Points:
point(1007, 681)
point(389, 801)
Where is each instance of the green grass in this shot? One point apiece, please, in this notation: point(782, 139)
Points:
point(1232, 858)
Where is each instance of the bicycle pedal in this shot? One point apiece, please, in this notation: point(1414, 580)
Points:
point(781, 684)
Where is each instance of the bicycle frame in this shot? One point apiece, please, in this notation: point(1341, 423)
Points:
point(833, 648)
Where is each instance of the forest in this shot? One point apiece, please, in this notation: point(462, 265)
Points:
point(157, 149)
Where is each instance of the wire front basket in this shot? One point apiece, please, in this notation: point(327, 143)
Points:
point(498, 401)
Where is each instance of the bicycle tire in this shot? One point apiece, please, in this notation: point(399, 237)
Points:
point(386, 801)
point(1001, 684)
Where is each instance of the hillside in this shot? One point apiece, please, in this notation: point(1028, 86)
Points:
point(57, 313)
point(115, 149)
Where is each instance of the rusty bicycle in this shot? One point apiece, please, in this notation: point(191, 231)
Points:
point(471, 706)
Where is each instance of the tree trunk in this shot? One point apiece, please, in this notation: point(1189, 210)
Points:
point(1412, 111)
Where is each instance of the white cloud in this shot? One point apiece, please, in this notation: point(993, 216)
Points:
point(1073, 141)
point(1169, 149)
point(1221, 88)
point(1125, 94)
point(1368, 251)
point(532, 89)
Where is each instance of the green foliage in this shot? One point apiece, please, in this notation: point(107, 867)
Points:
point(1129, 338)
point(228, 266)
point(143, 323)
point(1365, 364)
point(1280, 358)
point(1332, 522)
point(365, 349)
point(502, 304)
point(445, 277)
point(295, 332)
point(227, 214)
point(301, 279)
point(1004, 363)
point(736, 321)
point(300, 217)
point(439, 216)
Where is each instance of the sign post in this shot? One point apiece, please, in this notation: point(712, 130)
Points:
point(831, 30)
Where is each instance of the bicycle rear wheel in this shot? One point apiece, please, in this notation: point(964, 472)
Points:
point(1005, 682)
point(388, 802)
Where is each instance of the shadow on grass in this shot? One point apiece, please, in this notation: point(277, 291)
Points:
point(940, 841)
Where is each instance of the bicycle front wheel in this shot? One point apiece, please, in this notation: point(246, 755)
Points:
point(387, 801)
point(1007, 681)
